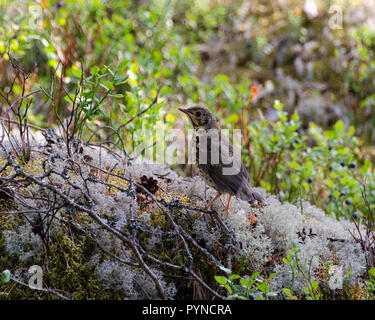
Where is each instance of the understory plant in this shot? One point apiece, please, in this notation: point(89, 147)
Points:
point(325, 167)
point(253, 287)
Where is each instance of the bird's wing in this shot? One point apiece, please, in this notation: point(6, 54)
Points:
point(229, 173)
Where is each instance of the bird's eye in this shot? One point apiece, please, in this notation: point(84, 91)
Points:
point(198, 114)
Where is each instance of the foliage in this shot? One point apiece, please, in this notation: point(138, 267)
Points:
point(296, 268)
point(324, 167)
point(245, 288)
point(66, 268)
point(371, 284)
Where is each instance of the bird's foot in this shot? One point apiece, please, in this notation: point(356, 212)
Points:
point(228, 205)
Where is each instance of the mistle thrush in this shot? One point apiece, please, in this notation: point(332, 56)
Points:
point(225, 173)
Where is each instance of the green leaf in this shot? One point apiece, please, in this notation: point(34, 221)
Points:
point(372, 273)
point(306, 186)
point(77, 72)
point(69, 98)
point(272, 275)
point(99, 112)
point(263, 287)
point(345, 181)
point(278, 105)
point(134, 67)
point(351, 131)
point(245, 282)
point(295, 116)
point(282, 116)
point(108, 85)
point(309, 165)
point(233, 118)
point(123, 64)
point(121, 80)
point(294, 165)
point(221, 78)
point(339, 126)
point(234, 276)
point(287, 291)
point(314, 285)
point(94, 70)
point(305, 291)
point(365, 167)
point(228, 288)
point(330, 183)
point(118, 95)
point(254, 275)
point(166, 90)
point(221, 280)
point(170, 117)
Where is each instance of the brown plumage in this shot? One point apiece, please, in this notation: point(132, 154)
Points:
point(215, 170)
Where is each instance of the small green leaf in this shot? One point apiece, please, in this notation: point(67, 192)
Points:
point(314, 285)
point(330, 183)
point(305, 291)
point(263, 287)
point(233, 118)
point(309, 165)
point(108, 85)
point(234, 276)
point(294, 165)
point(221, 280)
point(99, 112)
point(339, 126)
point(254, 275)
point(69, 98)
point(130, 98)
point(221, 78)
point(121, 80)
point(282, 116)
point(94, 70)
point(123, 64)
point(272, 275)
point(245, 282)
point(295, 116)
point(372, 273)
point(228, 288)
point(365, 167)
point(278, 105)
point(287, 291)
point(77, 72)
point(118, 95)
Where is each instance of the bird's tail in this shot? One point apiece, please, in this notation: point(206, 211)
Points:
point(247, 194)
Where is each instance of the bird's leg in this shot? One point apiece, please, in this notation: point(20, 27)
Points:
point(227, 207)
point(212, 201)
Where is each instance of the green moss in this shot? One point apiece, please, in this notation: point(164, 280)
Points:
point(66, 269)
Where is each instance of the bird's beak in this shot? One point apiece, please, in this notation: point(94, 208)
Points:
point(184, 110)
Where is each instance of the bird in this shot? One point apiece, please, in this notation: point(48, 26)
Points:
point(209, 140)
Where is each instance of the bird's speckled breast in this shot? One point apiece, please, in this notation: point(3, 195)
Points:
point(203, 168)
